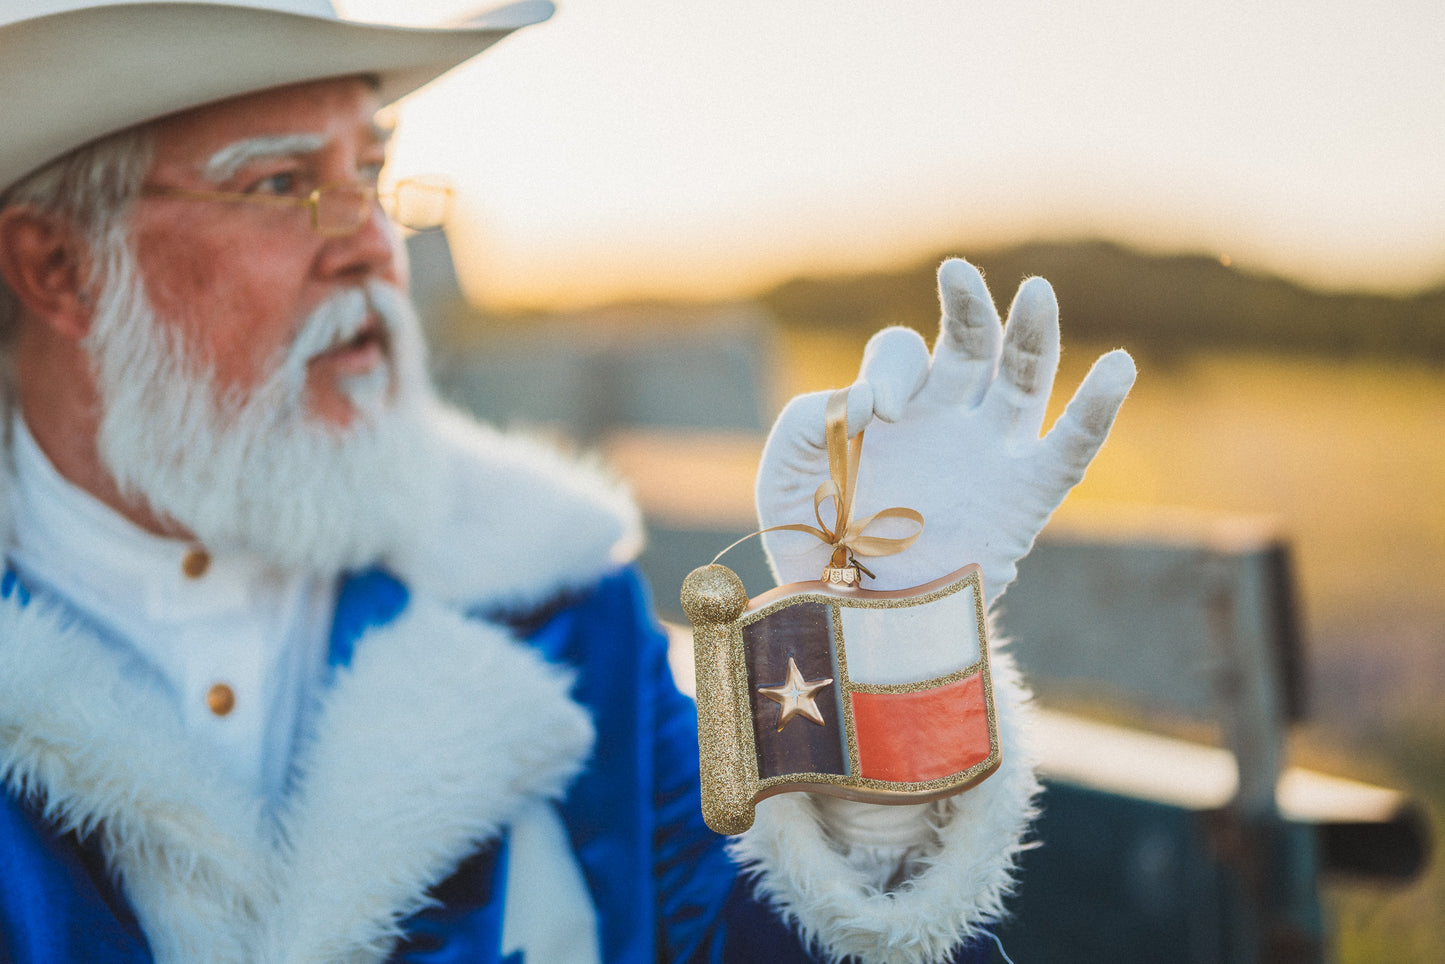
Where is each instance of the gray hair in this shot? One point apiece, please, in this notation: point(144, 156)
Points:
point(91, 187)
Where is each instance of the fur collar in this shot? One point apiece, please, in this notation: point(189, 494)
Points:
point(521, 524)
point(439, 732)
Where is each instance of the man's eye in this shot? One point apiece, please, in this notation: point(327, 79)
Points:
point(280, 183)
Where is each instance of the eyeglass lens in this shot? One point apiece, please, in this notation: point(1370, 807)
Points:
point(341, 209)
point(419, 205)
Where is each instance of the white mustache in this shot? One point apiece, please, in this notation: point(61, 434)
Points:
point(336, 320)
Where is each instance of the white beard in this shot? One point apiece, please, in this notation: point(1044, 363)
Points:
point(255, 474)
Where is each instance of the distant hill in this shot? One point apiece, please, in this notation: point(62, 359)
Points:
point(1154, 304)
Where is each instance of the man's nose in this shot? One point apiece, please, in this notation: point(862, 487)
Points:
point(364, 254)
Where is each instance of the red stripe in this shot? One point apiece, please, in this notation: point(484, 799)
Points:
point(911, 737)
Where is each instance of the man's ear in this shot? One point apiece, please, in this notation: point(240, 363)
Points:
point(45, 261)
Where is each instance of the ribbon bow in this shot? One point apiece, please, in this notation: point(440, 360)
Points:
point(847, 536)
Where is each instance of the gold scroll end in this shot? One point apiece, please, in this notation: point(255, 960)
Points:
point(713, 597)
point(729, 819)
point(713, 594)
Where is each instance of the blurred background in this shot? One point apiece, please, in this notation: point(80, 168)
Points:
point(672, 217)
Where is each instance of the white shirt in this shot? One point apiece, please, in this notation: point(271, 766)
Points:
point(239, 624)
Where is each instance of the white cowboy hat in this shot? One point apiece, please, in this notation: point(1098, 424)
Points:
point(75, 70)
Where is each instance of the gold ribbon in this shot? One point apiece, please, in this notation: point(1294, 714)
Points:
point(847, 536)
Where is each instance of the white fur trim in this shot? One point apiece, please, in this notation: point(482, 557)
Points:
point(102, 756)
point(437, 735)
point(847, 906)
point(522, 523)
point(440, 731)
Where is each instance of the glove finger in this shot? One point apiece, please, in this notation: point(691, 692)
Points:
point(969, 335)
point(895, 367)
point(793, 464)
point(1076, 437)
point(1030, 358)
point(796, 452)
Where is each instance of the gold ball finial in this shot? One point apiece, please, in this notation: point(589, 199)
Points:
point(713, 594)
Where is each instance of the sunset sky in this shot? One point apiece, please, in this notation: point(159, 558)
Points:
point(641, 147)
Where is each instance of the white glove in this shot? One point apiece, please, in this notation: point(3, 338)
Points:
point(955, 436)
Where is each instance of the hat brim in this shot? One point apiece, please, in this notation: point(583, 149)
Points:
point(72, 77)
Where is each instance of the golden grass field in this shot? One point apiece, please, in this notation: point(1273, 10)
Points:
point(1349, 457)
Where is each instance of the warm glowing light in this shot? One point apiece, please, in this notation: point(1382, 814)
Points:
point(643, 147)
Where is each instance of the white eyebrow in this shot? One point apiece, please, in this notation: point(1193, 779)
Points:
point(230, 159)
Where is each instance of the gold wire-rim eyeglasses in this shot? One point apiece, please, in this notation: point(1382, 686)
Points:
point(338, 210)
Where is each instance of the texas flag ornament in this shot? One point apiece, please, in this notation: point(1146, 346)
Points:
point(879, 696)
point(814, 686)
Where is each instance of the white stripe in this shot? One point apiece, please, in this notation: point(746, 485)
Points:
point(921, 642)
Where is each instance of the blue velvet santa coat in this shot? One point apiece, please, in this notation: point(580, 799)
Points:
point(448, 713)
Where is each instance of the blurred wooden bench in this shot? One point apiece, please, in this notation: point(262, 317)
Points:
point(1157, 848)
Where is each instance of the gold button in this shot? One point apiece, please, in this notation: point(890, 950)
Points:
point(221, 699)
point(196, 562)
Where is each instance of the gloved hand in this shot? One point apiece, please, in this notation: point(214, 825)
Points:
point(954, 436)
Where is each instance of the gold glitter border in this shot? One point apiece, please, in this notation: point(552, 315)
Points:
point(746, 734)
point(845, 701)
point(868, 598)
point(928, 684)
point(867, 790)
